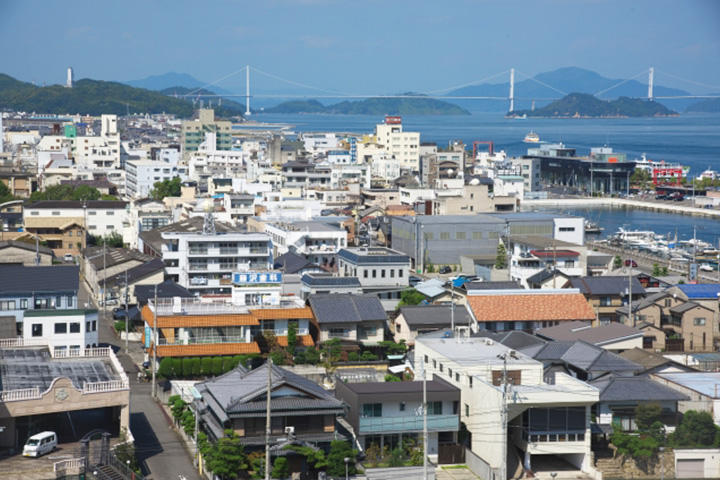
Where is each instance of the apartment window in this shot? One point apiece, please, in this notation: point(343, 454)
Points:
point(35, 213)
point(392, 273)
point(365, 274)
point(70, 233)
point(56, 213)
point(37, 330)
point(434, 408)
point(92, 212)
point(60, 328)
point(467, 410)
point(382, 273)
point(429, 236)
point(400, 273)
point(426, 359)
point(477, 235)
point(605, 301)
point(457, 377)
point(110, 213)
point(567, 229)
point(402, 406)
point(23, 304)
point(74, 327)
point(444, 235)
point(699, 322)
point(434, 363)
point(69, 301)
point(372, 409)
point(374, 273)
point(338, 332)
point(92, 227)
point(470, 381)
point(109, 227)
point(441, 367)
point(569, 263)
point(58, 302)
point(8, 305)
point(450, 372)
point(459, 235)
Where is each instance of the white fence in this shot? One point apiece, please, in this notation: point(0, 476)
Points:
point(22, 394)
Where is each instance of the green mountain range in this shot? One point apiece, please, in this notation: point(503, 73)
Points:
point(710, 105)
point(582, 105)
point(88, 97)
point(373, 106)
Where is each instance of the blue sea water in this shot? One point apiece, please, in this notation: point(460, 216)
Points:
point(692, 140)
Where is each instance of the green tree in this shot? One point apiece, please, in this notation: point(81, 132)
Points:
point(663, 271)
point(501, 257)
point(617, 262)
point(394, 348)
point(196, 367)
point(292, 337)
point(656, 272)
point(206, 366)
point(165, 369)
point(696, 430)
point(277, 357)
point(166, 188)
point(187, 370)
point(392, 378)
point(353, 357)
point(281, 468)
point(5, 194)
point(312, 355)
point(339, 451)
point(178, 408)
point(368, 356)
point(646, 414)
point(187, 420)
point(176, 367)
point(217, 363)
point(85, 192)
point(226, 457)
point(410, 297)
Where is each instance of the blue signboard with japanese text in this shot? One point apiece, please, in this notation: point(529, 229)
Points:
point(245, 278)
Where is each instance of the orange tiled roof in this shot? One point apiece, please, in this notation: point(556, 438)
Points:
point(186, 321)
point(302, 341)
point(530, 307)
point(207, 349)
point(273, 313)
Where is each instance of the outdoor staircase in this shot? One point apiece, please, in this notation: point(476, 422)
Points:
point(610, 467)
point(106, 472)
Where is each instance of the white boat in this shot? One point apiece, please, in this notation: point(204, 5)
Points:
point(706, 267)
point(710, 174)
point(592, 227)
point(664, 171)
point(532, 137)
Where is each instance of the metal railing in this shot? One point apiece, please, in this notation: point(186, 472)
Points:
point(407, 423)
point(203, 340)
point(196, 306)
point(69, 464)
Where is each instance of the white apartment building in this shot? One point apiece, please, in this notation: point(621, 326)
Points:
point(141, 175)
point(209, 161)
point(404, 146)
point(380, 270)
point(205, 263)
point(67, 331)
point(101, 217)
point(320, 143)
point(319, 242)
point(540, 419)
point(532, 254)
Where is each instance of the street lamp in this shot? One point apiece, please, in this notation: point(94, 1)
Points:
point(347, 463)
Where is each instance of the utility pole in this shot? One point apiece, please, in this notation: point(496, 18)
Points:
point(127, 316)
point(425, 429)
point(268, 424)
point(104, 289)
point(630, 300)
point(503, 421)
point(247, 89)
point(154, 344)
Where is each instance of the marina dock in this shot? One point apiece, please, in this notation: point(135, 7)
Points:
point(657, 206)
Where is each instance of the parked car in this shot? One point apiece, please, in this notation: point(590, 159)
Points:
point(119, 313)
point(708, 207)
point(660, 196)
point(68, 257)
point(630, 262)
point(679, 198)
point(414, 281)
point(446, 269)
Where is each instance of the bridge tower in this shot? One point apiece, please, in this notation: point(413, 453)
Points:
point(247, 90)
point(512, 89)
point(650, 83)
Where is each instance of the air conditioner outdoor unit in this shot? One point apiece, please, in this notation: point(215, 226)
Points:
point(290, 430)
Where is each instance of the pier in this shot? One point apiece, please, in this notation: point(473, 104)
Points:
point(678, 209)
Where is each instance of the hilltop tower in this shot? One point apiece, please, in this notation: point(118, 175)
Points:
point(69, 83)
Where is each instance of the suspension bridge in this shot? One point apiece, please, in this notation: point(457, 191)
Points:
point(307, 91)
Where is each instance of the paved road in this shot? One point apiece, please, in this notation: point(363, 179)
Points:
point(160, 452)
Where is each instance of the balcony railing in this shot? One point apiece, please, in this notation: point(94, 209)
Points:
point(196, 306)
point(408, 423)
point(203, 340)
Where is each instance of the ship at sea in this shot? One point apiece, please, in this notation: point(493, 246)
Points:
point(532, 138)
point(661, 170)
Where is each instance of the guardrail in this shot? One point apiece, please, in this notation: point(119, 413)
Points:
point(69, 464)
point(21, 394)
point(24, 342)
point(102, 387)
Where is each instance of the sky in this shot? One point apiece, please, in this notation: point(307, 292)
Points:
point(361, 46)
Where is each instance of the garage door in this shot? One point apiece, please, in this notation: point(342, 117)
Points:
point(690, 468)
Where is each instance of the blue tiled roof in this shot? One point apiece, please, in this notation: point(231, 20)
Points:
point(700, 290)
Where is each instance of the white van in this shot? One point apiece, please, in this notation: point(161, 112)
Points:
point(40, 444)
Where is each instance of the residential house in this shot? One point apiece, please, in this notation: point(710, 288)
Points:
point(615, 337)
point(700, 387)
point(654, 362)
point(324, 283)
point(621, 395)
point(302, 412)
point(122, 284)
point(28, 254)
point(66, 330)
point(292, 263)
point(532, 254)
point(388, 414)
point(543, 420)
point(529, 310)
point(381, 271)
point(547, 278)
point(413, 321)
point(24, 289)
point(99, 264)
point(607, 294)
point(354, 319)
point(318, 241)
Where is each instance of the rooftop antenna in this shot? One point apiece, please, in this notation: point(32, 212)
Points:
point(209, 224)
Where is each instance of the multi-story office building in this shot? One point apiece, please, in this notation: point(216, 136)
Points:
point(319, 242)
point(141, 176)
point(404, 146)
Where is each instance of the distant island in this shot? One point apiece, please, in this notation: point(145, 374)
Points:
point(582, 105)
point(711, 105)
point(94, 97)
point(373, 106)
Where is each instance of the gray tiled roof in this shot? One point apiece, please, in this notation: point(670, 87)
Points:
point(544, 274)
point(165, 289)
point(435, 315)
point(240, 393)
point(135, 273)
point(491, 285)
point(582, 331)
point(328, 279)
point(347, 308)
point(15, 278)
point(620, 389)
point(684, 307)
point(291, 263)
point(25, 246)
point(606, 285)
point(584, 356)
